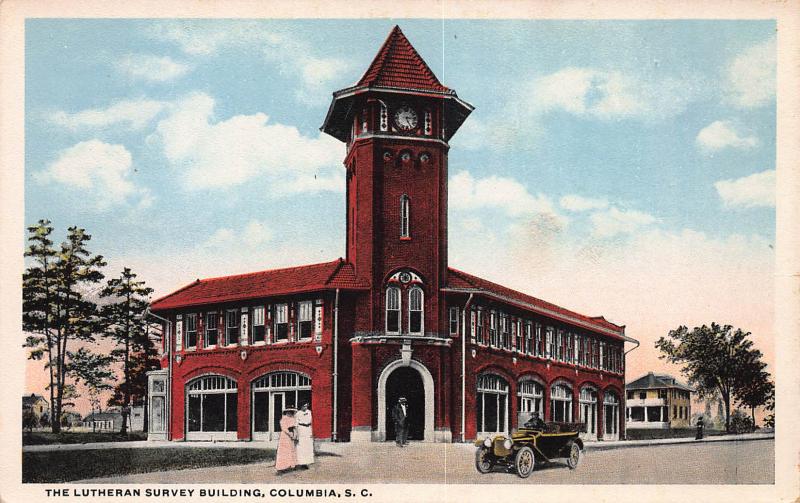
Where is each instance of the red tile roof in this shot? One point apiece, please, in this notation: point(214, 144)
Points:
point(459, 280)
point(315, 277)
point(398, 64)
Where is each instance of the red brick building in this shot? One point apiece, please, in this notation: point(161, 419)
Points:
point(391, 318)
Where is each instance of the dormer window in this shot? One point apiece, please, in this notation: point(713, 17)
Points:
point(405, 230)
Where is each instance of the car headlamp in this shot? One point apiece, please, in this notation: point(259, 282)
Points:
point(507, 443)
point(487, 442)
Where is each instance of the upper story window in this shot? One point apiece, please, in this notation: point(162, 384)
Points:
point(528, 348)
point(415, 310)
point(405, 230)
point(191, 331)
point(493, 338)
point(505, 330)
point(518, 336)
point(479, 326)
point(305, 319)
point(538, 341)
point(232, 327)
point(281, 322)
point(392, 310)
point(549, 349)
point(211, 330)
point(258, 325)
point(454, 320)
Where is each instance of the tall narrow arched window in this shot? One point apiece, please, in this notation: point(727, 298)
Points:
point(415, 310)
point(405, 230)
point(393, 310)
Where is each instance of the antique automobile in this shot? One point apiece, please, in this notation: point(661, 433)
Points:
point(535, 442)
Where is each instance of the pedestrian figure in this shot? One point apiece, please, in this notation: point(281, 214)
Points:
point(700, 426)
point(400, 417)
point(286, 459)
point(305, 437)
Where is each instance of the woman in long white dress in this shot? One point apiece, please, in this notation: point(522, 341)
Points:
point(305, 437)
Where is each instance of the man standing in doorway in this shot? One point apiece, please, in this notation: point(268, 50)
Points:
point(400, 417)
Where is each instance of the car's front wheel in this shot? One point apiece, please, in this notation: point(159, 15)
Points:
point(574, 456)
point(524, 462)
point(483, 460)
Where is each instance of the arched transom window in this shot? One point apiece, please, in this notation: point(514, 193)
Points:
point(211, 404)
point(531, 395)
point(560, 403)
point(492, 404)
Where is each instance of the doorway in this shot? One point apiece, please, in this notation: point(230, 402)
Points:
point(407, 382)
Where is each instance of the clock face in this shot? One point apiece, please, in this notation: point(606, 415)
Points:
point(406, 118)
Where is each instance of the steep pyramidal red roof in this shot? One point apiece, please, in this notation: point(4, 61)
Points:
point(309, 278)
point(460, 280)
point(398, 64)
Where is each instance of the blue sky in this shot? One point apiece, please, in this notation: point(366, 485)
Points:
point(605, 160)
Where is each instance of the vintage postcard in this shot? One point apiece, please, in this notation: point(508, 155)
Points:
point(434, 251)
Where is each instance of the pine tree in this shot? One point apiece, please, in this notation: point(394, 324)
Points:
point(57, 310)
point(124, 324)
point(38, 299)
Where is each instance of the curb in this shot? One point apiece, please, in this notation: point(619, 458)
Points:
point(600, 446)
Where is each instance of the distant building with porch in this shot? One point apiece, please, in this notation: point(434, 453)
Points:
point(658, 401)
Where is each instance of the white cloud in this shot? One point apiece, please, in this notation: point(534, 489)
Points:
point(606, 94)
point(151, 68)
point(574, 202)
point(133, 114)
point(751, 76)
point(242, 148)
point(99, 169)
point(721, 134)
point(756, 190)
point(292, 54)
point(615, 221)
point(495, 192)
point(251, 236)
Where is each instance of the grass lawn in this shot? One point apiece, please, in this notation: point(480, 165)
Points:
point(65, 466)
point(70, 437)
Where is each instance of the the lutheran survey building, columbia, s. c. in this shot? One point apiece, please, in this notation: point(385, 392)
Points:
point(392, 318)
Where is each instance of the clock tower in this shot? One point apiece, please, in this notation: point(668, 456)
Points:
point(397, 122)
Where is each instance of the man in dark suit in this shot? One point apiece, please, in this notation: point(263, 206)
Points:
point(400, 418)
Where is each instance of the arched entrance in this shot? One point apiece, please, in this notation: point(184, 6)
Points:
point(406, 383)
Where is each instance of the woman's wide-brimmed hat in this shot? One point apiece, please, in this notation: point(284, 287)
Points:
point(289, 409)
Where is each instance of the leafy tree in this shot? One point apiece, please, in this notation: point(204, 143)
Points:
point(93, 371)
point(754, 388)
point(124, 324)
point(712, 358)
point(57, 311)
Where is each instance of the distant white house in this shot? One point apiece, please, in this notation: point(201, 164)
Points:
point(111, 420)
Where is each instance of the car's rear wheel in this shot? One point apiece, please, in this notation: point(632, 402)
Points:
point(483, 460)
point(524, 462)
point(574, 456)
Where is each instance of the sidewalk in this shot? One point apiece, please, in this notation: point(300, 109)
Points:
point(592, 446)
point(622, 444)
